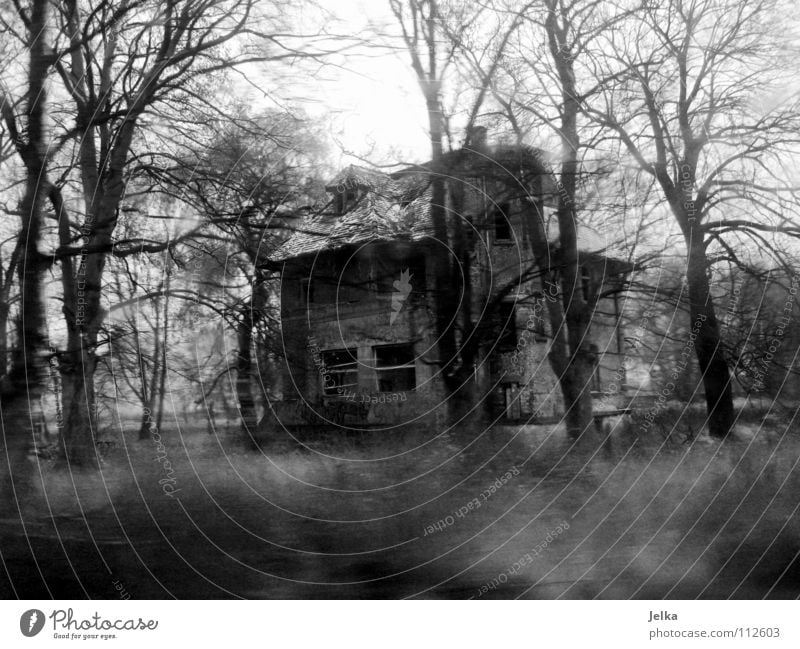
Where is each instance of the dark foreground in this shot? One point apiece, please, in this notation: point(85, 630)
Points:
point(504, 513)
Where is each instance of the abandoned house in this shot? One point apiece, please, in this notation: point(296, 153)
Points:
point(357, 294)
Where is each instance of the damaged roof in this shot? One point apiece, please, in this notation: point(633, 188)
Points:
point(397, 206)
point(385, 209)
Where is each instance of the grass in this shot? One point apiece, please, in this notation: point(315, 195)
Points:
point(662, 514)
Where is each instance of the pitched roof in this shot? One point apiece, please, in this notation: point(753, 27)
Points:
point(386, 209)
point(397, 206)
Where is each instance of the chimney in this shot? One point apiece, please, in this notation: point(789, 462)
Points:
point(476, 138)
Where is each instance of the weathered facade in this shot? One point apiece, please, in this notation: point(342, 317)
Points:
point(357, 297)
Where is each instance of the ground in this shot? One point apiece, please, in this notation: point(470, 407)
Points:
point(503, 512)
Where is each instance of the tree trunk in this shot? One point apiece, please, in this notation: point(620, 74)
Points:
point(144, 389)
point(250, 316)
point(707, 343)
point(704, 328)
point(575, 388)
point(572, 367)
point(443, 292)
point(444, 299)
point(4, 309)
point(573, 370)
point(5, 305)
point(150, 401)
point(576, 377)
point(77, 365)
point(244, 369)
point(83, 311)
point(78, 402)
point(27, 370)
point(162, 373)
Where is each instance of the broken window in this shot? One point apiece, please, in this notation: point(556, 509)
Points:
point(502, 224)
point(340, 371)
point(395, 368)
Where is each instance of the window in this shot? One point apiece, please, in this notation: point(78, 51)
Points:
point(502, 224)
point(344, 199)
point(341, 373)
point(395, 368)
point(306, 291)
point(507, 340)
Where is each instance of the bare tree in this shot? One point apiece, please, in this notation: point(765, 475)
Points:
point(570, 354)
point(439, 42)
point(248, 185)
point(29, 134)
point(127, 68)
point(498, 75)
point(10, 243)
point(678, 85)
point(419, 21)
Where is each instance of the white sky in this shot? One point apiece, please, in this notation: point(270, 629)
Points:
point(372, 96)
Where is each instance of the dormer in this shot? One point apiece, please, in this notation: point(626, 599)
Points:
point(344, 197)
point(348, 188)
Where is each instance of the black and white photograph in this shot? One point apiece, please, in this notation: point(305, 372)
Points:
point(398, 299)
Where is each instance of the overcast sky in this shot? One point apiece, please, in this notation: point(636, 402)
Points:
point(371, 96)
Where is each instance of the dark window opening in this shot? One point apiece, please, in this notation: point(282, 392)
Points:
point(507, 341)
point(340, 371)
point(502, 224)
point(395, 368)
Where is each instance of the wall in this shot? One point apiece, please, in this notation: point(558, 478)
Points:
point(373, 296)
